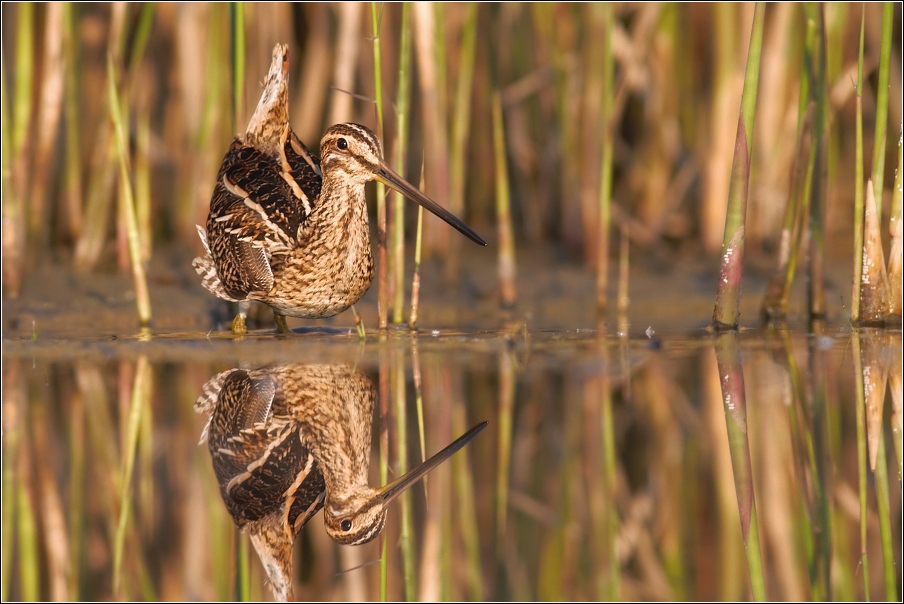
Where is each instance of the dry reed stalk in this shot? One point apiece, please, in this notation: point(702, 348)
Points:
point(427, 38)
point(316, 60)
point(624, 266)
point(774, 156)
point(506, 259)
point(716, 164)
point(605, 193)
point(461, 129)
point(874, 280)
point(102, 168)
point(896, 222)
point(47, 120)
point(127, 205)
point(50, 507)
point(346, 62)
point(775, 300)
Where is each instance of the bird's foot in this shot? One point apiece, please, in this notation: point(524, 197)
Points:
point(238, 325)
point(359, 325)
point(281, 325)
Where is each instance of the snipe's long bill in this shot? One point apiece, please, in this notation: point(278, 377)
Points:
point(289, 228)
point(403, 483)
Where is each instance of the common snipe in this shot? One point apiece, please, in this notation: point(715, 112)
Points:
point(288, 440)
point(288, 228)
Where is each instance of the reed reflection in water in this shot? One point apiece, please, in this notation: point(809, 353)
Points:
point(610, 469)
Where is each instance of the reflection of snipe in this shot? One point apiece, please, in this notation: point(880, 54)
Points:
point(286, 441)
point(289, 229)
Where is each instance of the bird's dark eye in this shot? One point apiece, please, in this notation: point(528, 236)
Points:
point(342, 144)
point(346, 524)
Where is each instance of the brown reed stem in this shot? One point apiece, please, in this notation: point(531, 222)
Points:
point(602, 261)
point(507, 287)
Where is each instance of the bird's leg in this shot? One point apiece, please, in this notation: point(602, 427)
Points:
point(281, 325)
point(238, 323)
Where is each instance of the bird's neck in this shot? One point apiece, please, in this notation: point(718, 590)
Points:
point(339, 217)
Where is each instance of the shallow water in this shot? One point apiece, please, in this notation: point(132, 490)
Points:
point(612, 467)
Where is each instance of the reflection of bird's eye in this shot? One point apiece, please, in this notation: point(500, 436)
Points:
point(346, 524)
point(342, 144)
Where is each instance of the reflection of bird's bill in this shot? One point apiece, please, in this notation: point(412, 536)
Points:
point(387, 176)
point(400, 485)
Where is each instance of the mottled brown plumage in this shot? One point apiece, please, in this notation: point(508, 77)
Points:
point(289, 229)
point(288, 440)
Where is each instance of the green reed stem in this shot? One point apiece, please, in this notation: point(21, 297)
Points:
point(732, 381)
point(860, 406)
point(461, 129)
point(728, 296)
point(416, 279)
point(888, 15)
point(9, 460)
point(888, 550)
point(819, 182)
point(858, 183)
point(237, 45)
point(606, 119)
point(418, 396)
point(507, 287)
point(29, 565)
point(506, 404)
point(141, 396)
point(406, 538)
point(23, 77)
point(143, 181)
point(418, 246)
point(382, 294)
point(243, 576)
point(402, 122)
point(142, 297)
point(466, 508)
point(141, 36)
